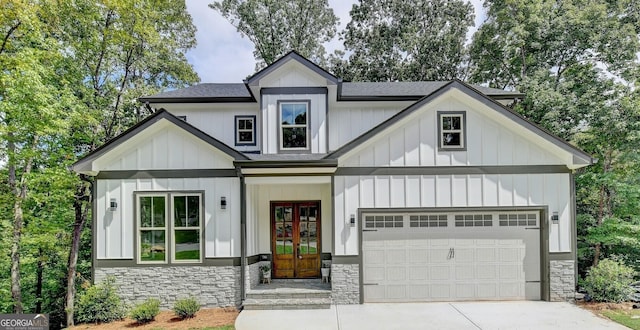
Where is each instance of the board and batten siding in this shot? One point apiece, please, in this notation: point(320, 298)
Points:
point(164, 146)
point(349, 120)
point(115, 234)
point(451, 191)
point(259, 198)
point(490, 141)
point(317, 121)
point(218, 120)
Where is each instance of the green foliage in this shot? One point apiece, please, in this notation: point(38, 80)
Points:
point(186, 308)
point(609, 281)
point(277, 27)
point(146, 311)
point(100, 303)
point(391, 40)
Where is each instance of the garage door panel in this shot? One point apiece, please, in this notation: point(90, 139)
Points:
point(472, 260)
point(418, 273)
point(438, 272)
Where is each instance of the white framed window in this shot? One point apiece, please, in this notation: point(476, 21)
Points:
point(294, 125)
point(452, 130)
point(245, 130)
point(169, 227)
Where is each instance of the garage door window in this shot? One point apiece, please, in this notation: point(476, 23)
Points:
point(514, 220)
point(383, 221)
point(474, 220)
point(428, 220)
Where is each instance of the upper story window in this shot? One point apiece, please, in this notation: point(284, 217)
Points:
point(245, 130)
point(294, 125)
point(169, 227)
point(452, 131)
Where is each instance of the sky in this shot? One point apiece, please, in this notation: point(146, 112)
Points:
point(222, 55)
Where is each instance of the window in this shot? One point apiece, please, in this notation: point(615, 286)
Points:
point(383, 221)
point(294, 127)
point(169, 224)
point(428, 220)
point(518, 219)
point(451, 130)
point(245, 130)
point(474, 220)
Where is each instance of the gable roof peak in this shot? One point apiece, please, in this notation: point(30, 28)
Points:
point(295, 56)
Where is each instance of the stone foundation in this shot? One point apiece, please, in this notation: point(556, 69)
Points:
point(253, 274)
point(345, 284)
point(563, 285)
point(210, 286)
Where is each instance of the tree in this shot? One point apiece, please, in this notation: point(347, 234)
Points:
point(124, 50)
point(391, 40)
point(576, 61)
point(277, 27)
point(35, 104)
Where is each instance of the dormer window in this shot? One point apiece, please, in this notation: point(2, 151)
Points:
point(452, 131)
point(294, 125)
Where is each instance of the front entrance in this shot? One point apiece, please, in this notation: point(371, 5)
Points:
point(295, 239)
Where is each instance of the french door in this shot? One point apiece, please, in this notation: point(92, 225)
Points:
point(295, 239)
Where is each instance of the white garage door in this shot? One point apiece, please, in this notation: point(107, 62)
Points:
point(451, 257)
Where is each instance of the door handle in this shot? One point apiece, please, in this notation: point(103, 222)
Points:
point(298, 251)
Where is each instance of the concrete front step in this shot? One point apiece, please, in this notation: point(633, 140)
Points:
point(286, 303)
point(258, 295)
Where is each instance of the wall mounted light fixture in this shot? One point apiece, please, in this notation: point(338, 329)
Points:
point(223, 203)
point(554, 218)
point(113, 204)
point(352, 220)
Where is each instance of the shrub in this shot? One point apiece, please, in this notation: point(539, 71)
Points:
point(100, 303)
point(609, 281)
point(186, 308)
point(145, 312)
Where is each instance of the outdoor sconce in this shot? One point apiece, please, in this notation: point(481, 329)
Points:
point(554, 218)
point(223, 203)
point(113, 204)
point(352, 220)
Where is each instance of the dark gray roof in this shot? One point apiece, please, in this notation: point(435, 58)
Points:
point(203, 92)
point(358, 91)
point(407, 89)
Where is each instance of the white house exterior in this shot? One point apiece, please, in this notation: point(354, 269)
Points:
point(416, 191)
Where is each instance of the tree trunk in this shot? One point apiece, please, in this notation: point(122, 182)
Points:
point(16, 293)
point(39, 271)
point(81, 206)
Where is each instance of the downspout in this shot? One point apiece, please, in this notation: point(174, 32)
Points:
point(243, 233)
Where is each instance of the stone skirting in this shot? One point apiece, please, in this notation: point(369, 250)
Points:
point(212, 286)
point(252, 273)
point(562, 284)
point(345, 284)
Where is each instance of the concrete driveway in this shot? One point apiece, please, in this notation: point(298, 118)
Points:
point(459, 315)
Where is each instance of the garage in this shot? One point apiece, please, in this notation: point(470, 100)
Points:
point(451, 256)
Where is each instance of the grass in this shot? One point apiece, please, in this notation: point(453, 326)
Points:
point(624, 317)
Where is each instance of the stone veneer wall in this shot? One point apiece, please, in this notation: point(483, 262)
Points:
point(253, 274)
point(563, 285)
point(211, 286)
point(345, 284)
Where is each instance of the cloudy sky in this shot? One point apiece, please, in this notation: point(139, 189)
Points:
point(222, 55)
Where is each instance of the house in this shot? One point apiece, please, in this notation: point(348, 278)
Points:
point(415, 191)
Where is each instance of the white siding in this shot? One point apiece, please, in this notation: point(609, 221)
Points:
point(491, 139)
point(163, 146)
point(349, 120)
point(218, 120)
point(317, 121)
point(293, 74)
point(258, 211)
point(115, 229)
point(510, 190)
